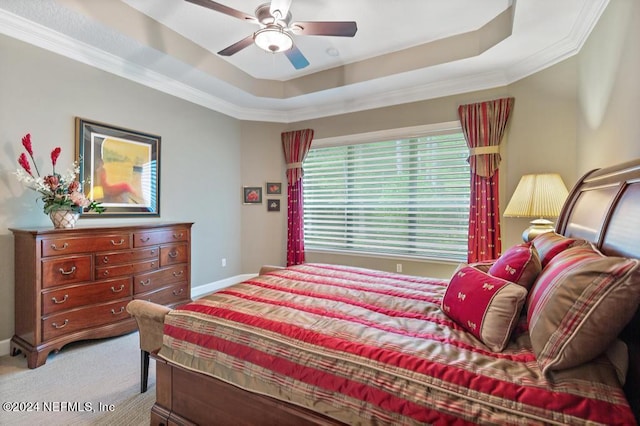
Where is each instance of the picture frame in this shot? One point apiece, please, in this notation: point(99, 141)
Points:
point(273, 188)
point(119, 168)
point(252, 194)
point(273, 205)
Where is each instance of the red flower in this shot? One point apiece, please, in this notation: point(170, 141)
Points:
point(26, 142)
point(74, 186)
point(52, 182)
point(24, 162)
point(54, 156)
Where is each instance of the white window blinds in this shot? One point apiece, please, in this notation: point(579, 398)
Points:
point(404, 198)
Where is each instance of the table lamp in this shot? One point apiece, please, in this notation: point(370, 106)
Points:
point(539, 196)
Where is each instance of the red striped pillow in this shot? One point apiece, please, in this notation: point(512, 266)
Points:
point(488, 307)
point(520, 264)
point(550, 244)
point(579, 304)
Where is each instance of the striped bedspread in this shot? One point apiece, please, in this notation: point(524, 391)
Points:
point(370, 347)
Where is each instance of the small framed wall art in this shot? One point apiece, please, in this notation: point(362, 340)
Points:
point(252, 195)
point(273, 205)
point(274, 188)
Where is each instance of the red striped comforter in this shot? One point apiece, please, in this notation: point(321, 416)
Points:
point(369, 347)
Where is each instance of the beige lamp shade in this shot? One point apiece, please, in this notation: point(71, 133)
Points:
point(538, 196)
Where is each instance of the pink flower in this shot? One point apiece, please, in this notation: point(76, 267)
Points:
point(79, 199)
point(26, 142)
point(74, 186)
point(54, 156)
point(24, 162)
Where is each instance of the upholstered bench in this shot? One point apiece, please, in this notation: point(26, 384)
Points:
point(150, 319)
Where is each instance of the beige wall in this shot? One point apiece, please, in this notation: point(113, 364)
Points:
point(41, 93)
point(263, 233)
point(609, 92)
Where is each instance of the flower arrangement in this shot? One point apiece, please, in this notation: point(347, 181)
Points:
point(59, 191)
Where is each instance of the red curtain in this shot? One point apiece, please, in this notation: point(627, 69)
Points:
point(483, 125)
point(295, 145)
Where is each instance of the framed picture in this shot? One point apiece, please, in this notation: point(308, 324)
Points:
point(273, 205)
point(119, 168)
point(252, 195)
point(274, 188)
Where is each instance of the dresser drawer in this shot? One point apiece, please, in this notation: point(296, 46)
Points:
point(85, 294)
point(71, 245)
point(143, 283)
point(66, 270)
point(174, 253)
point(172, 295)
point(125, 256)
point(105, 272)
point(79, 319)
point(162, 236)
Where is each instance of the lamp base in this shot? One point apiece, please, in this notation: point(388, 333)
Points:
point(538, 226)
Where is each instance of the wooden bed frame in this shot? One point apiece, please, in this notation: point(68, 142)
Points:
point(603, 207)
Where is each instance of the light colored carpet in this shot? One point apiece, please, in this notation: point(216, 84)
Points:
point(94, 382)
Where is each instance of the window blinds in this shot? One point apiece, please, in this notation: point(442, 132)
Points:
point(406, 197)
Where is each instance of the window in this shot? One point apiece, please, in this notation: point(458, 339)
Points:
point(401, 197)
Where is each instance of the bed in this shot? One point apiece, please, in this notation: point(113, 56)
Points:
point(330, 344)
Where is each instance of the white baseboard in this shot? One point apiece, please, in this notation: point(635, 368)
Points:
point(4, 347)
point(203, 290)
point(196, 292)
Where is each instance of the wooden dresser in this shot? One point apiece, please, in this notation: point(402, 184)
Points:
point(74, 284)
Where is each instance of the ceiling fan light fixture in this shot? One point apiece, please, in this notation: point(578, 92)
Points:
point(273, 38)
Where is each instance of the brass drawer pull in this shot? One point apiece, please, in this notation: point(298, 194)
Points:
point(57, 302)
point(180, 235)
point(177, 293)
point(178, 274)
point(64, 246)
point(55, 325)
point(145, 239)
point(118, 290)
point(146, 282)
point(113, 311)
point(152, 252)
point(118, 244)
point(173, 254)
point(105, 273)
point(69, 272)
point(105, 259)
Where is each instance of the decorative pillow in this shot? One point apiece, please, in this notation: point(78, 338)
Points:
point(550, 244)
point(579, 304)
point(488, 307)
point(520, 264)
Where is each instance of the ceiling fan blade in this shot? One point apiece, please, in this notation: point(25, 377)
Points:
point(333, 28)
point(236, 47)
point(280, 8)
point(224, 9)
point(296, 58)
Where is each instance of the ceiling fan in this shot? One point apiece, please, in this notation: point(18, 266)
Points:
point(277, 30)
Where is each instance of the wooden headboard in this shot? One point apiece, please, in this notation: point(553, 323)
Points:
point(604, 208)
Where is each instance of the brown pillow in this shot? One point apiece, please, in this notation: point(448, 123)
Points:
point(488, 307)
point(579, 304)
point(520, 264)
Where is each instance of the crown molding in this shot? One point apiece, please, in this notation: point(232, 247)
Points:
point(35, 34)
point(40, 36)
